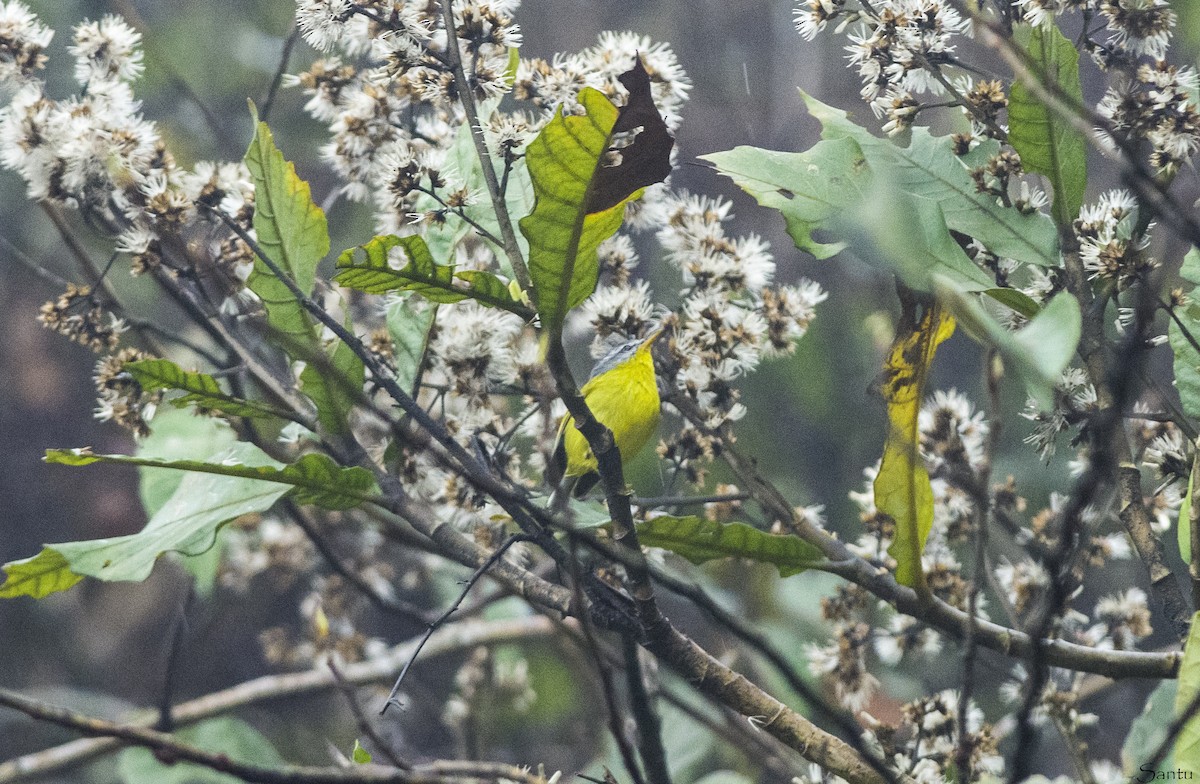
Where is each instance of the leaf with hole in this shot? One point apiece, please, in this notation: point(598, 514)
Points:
point(581, 195)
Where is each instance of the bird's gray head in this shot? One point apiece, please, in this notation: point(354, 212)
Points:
point(622, 352)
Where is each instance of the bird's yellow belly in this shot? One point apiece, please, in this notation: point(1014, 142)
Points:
point(629, 410)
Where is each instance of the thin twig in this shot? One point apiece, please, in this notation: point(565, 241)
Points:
point(983, 510)
point(616, 725)
point(649, 725)
point(365, 725)
point(272, 91)
point(450, 638)
point(433, 627)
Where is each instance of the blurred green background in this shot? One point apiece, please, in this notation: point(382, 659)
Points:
point(813, 422)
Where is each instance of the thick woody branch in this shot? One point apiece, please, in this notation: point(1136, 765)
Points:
point(448, 639)
point(948, 619)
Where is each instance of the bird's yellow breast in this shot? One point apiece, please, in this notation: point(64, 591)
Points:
point(625, 400)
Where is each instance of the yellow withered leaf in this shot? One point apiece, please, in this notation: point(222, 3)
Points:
point(902, 487)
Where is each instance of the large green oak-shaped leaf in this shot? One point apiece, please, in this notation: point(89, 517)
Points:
point(1038, 352)
point(291, 230)
point(836, 178)
point(369, 268)
point(902, 487)
point(699, 540)
point(581, 195)
point(1047, 143)
point(210, 495)
point(202, 390)
point(225, 735)
point(808, 188)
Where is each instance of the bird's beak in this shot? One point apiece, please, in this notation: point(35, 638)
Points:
point(652, 337)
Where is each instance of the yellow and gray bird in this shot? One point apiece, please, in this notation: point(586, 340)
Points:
point(622, 393)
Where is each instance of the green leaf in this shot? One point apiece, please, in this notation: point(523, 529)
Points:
point(1016, 300)
point(231, 737)
point(902, 487)
point(202, 390)
point(374, 274)
point(409, 321)
point(807, 188)
point(334, 388)
point(291, 230)
point(1047, 143)
point(187, 524)
point(45, 573)
point(1183, 526)
point(580, 197)
point(1187, 359)
point(175, 435)
point(360, 755)
point(315, 477)
point(909, 237)
point(1190, 271)
point(1038, 352)
point(1187, 745)
point(836, 177)
point(210, 495)
point(699, 540)
point(1149, 729)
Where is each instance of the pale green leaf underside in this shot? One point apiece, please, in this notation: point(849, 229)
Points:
point(187, 523)
point(177, 435)
point(852, 180)
point(807, 188)
point(928, 169)
point(700, 540)
point(209, 496)
point(1038, 352)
